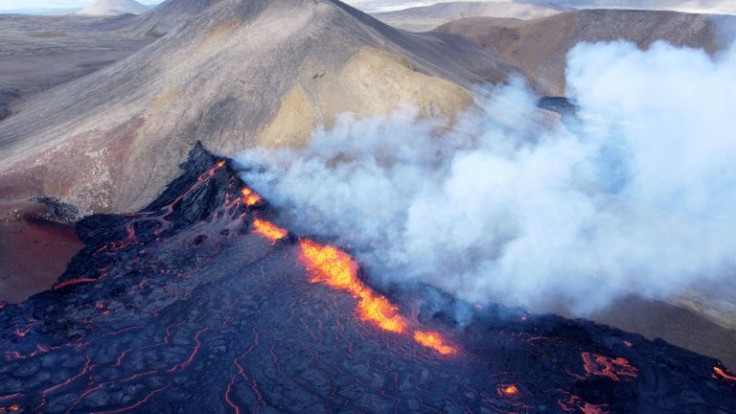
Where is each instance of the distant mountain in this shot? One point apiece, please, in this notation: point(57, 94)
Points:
point(429, 17)
point(114, 8)
point(539, 47)
point(689, 6)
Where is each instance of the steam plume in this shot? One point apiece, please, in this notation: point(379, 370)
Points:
point(637, 196)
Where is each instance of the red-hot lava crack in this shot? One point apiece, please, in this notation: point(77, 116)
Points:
point(613, 368)
point(200, 303)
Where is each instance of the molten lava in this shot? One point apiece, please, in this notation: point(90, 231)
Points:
point(250, 197)
point(337, 270)
point(508, 390)
point(269, 230)
point(434, 341)
point(722, 373)
point(613, 368)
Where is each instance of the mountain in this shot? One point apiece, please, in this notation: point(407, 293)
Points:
point(687, 6)
point(539, 47)
point(429, 17)
point(114, 8)
point(239, 74)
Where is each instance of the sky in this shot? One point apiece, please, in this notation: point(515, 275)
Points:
point(53, 4)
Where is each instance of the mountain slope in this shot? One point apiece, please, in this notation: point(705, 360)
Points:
point(114, 8)
point(241, 74)
point(539, 47)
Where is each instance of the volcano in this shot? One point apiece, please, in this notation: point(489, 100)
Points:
point(201, 302)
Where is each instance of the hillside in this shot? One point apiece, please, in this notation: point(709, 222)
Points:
point(236, 76)
point(539, 47)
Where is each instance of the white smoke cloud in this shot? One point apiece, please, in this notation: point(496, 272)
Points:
point(637, 196)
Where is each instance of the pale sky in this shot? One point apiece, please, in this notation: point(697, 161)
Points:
point(368, 5)
point(53, 4)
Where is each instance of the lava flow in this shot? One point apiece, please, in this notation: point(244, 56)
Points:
point(434, 341)
point(177, 309)
point(250, 197)
point(720, 372)
point(337, 270)
point(269, 230)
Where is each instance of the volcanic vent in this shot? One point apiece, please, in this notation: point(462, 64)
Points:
point(202, 303)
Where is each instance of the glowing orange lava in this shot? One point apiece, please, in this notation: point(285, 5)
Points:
point(508, 390)
point(337, 270)
point(250, 197)
point(434, 340)
point(269, 230)
point(721, 373)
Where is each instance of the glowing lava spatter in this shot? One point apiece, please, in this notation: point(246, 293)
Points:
point(269, 230)
point(250, 197)
point(434, 341)
point(508, 390)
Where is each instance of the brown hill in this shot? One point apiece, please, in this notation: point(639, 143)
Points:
point(240, 74)
point(539, 47)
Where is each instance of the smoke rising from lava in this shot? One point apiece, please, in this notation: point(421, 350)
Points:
point(636, 195)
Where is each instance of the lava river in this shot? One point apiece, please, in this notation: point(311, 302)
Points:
point(202, 302)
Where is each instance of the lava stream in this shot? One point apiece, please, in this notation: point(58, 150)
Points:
point(722, 373)
point(269, 230)
point(434, 340)
point(338, 270)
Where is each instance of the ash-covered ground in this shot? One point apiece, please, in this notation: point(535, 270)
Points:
point(192, 306)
